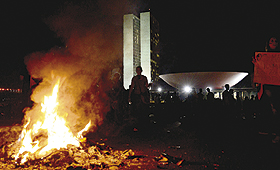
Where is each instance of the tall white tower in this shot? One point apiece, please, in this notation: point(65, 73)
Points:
point(140, 47)
point(149, 33)
point(145, 31)
point(131, 47)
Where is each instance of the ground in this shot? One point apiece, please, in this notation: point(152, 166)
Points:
point(201, 143)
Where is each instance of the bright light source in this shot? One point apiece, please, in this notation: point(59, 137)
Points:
point(159, 89)
point(187, 89)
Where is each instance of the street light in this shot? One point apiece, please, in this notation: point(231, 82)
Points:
point(187, 89)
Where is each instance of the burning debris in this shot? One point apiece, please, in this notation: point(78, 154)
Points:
point(49, 142)
point(88, 155)
point(49, 131)
point(46, 141)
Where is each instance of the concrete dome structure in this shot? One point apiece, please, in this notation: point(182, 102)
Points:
point(214, 80)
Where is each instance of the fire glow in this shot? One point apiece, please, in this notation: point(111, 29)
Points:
point(40, 138)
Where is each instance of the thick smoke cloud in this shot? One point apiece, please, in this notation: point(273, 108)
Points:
point(92, 34)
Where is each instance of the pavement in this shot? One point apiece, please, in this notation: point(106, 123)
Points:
point(201, 143)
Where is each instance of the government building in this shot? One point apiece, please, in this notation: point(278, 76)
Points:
point(140, 47)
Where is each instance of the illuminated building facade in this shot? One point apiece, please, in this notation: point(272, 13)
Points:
point(140, 47)
point(131, 47)
point(149, 35)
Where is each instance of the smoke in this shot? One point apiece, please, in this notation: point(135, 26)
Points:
point(92, 34)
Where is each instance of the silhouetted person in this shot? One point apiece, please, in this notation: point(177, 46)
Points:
point(210, 107)
point(210, 95)
point(116, 95)
point(139, 87)
point(227, 114)
point(270, 102)
point(252, 97)
point(200, 95)
point(226, 95)
point(141, 96)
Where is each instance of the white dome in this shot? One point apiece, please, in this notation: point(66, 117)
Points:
point(214, 80)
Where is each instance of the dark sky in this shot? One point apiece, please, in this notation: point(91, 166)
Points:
point(24, 31)
point(195, 36)
point(204, 36)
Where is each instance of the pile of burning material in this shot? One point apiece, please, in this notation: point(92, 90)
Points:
point(89, 155)
point(49, 142)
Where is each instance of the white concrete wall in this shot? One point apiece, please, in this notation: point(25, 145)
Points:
point(127, 49)
point(145, 37)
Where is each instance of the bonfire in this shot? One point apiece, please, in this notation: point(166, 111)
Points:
point(50, 142)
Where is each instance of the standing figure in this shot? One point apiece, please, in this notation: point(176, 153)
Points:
point(210, 95)
point(227, 110)
point(139, 95)
point(226, 96)
point(116, 94)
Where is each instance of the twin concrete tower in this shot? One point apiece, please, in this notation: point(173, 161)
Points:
point(140, 47)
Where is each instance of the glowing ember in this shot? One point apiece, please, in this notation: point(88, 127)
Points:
point(52, 133)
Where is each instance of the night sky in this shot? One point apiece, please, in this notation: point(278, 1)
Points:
point(195, 35)
point(24, 31)
point(207, 36)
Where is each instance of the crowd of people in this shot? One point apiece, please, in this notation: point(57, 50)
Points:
point(227, 111)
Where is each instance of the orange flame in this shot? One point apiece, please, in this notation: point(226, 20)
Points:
point(51, 133)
